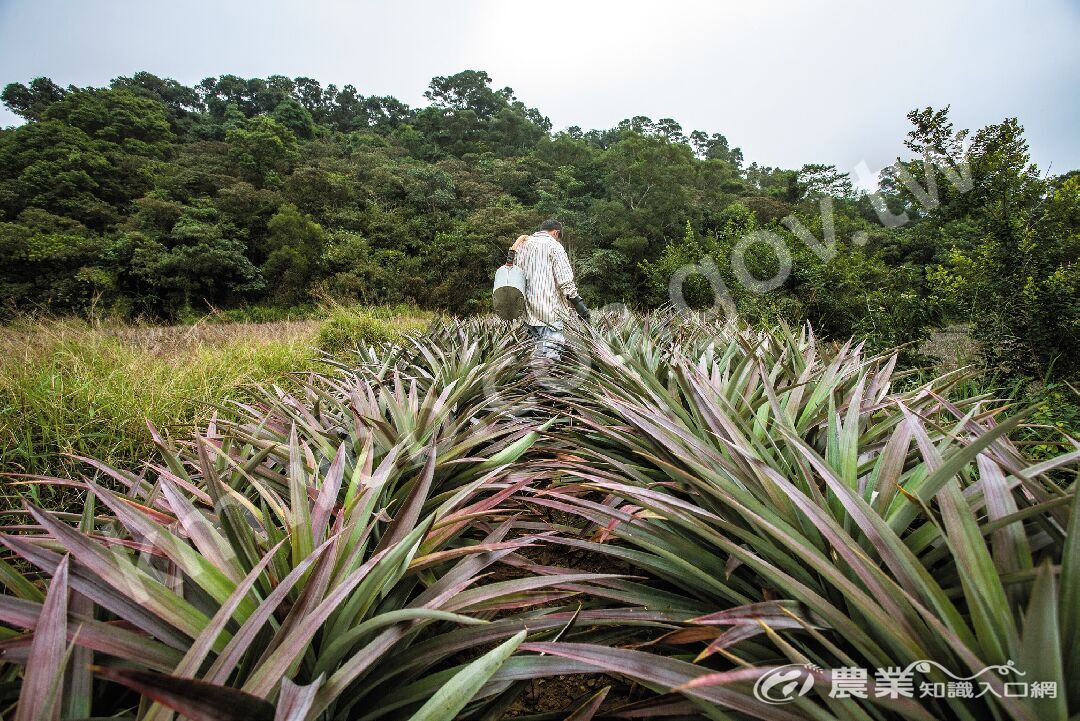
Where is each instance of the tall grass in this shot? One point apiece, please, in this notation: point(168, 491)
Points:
point(71, 388)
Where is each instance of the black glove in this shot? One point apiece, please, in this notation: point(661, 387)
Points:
point(580, 307)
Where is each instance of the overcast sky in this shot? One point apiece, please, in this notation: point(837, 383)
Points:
point(790, 82)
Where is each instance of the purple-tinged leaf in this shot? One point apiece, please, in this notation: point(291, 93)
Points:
point(79, 683)
point(104, 637)
point(591, 705)
point(43, 679)
point(451, 697)
point(294, 641)
point(224, 664)
point(124, 577)
point(201, 531)
point(86, 581)
point(295, 702)
point(659, 707)
point(749, 613)
point(201, 647)
point(328, 494)
point(195, 700)
point(664, 672)
point(1009, 544)
point(407, 516)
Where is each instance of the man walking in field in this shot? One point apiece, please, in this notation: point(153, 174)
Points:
point(549, 286)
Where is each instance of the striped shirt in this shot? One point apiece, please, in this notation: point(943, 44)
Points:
point(549, 280)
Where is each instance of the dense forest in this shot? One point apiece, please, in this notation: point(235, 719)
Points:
point(152, 199)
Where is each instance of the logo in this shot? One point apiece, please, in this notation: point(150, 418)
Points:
point(784, 684)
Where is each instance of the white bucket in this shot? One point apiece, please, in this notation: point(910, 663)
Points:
point(508, 295)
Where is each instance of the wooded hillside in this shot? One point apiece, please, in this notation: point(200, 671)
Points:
point(149, 198)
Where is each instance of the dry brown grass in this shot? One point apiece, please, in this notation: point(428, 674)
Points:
point(953, 347)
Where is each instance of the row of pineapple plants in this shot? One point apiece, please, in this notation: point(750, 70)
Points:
point(806, 504)
point(362, 548)
point(304, 560)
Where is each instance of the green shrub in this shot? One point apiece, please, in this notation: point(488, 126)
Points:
point(348, 328)
point(345, 329)
point(1054, 422)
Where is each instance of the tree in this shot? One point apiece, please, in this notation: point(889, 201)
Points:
point(59, 168)
point(346, 109)
point(138, 124)
point(360, 273)
point(652, 178)
point(384, 113)
point(715, 147)
point(295, 117)
point(172, 256)
point(691, 251)
point(457, 262)
point(156, 195)
point(51, 263)
point(310, 94)
point(606, 275)
point(86, 158)
point(30, 103)
point(181, 102)
point(468, 90)
point(817, 181)
point(294, 250)
point(263, 150)
point(670, 129)
point(1012, 239)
